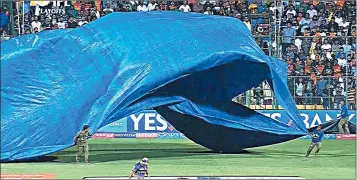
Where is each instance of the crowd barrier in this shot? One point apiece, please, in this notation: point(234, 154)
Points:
point(150, 124)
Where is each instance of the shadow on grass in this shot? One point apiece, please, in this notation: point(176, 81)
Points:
point(217, 152)
point(99, 157)
point(283, 154)
point(99, 153)
point(107, 155)
point(35, 160)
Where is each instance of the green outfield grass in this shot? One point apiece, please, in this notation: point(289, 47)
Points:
point(115, 157)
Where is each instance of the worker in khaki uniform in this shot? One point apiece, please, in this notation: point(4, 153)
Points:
point(344, 117)
point(81, 140)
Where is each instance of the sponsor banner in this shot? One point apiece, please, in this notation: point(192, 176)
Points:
point(311, 118)
point(326, 136)
point(346, 137)
point(145, 122)
point(46, 3)
point(207, 177)
point(103, 136)
point(149, 121)
point(116, 126)
point(152, 122)
point(27, 176)
point(49, 8)
point(146, 135)
point(125, 135)
point(171, 136)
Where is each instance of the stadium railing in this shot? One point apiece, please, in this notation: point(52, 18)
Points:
point(326, 93)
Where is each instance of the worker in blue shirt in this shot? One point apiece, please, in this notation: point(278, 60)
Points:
point(344, 117)
point(140, 169)
point(316, 137)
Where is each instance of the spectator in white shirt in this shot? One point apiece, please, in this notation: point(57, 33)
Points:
point(82, 22)
point(326, 46)
point(142, 8)
point(209, 11)
point(95, 12)
point(312, 12)
point(151, 6)
point(323, 34)
point(344, 25)
point(298, 43)
point(54, 23)
point(139, 7)
point(108, 10)
point(185, 7)
point(291, 12)
point(326, 55)
point(299, 91)
point(338, 19)
point(36, 24)
point(61, 24)
point(342, 60)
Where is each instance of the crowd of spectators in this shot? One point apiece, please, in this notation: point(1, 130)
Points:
point(317, 37)
point(319, 45)
point(77, 13)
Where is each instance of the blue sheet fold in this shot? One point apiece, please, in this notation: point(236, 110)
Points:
point(54, 82)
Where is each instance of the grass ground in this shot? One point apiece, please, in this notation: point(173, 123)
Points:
point(115, 157)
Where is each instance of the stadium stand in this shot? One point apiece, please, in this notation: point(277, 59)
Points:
point(316, 38)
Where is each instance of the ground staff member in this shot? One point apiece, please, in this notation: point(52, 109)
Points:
point(316, 140)
point(344, 119)
point(81, 140)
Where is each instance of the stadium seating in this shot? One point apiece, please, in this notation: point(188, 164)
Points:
point(319, 47)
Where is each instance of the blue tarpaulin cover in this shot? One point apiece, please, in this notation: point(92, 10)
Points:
point(187, 66)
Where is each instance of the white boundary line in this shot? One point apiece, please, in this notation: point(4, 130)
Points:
point(205, 177)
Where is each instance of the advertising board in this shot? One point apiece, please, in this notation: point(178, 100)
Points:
point(311, 118)
point(116, 126)
point(346, 137)
point(125, 135)
point(165, 135)
point(27, 176)
point(150, 124)
point(146, 135)
point(103, 136)
point(148, 121)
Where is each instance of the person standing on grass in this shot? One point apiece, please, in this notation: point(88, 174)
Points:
point(316, 140)
point(81, 140)
point(344, 117)
point(140, 169)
